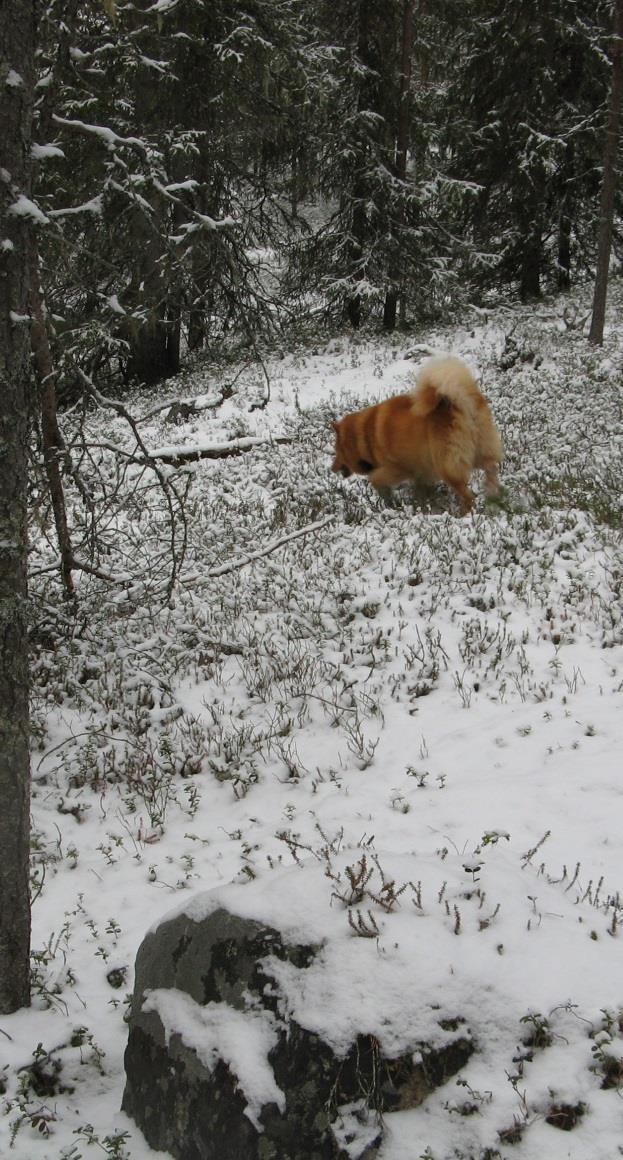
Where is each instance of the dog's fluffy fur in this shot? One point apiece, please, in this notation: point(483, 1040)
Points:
point(441, 430)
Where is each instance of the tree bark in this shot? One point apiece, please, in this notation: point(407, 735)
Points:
point(565, 221)
point(608, 182)
point(530, 269)
point(359, 226)
point(53, 446)
point(17, 43)
point(564, 249)
point(402, 144)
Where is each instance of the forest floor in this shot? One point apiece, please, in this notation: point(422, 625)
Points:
point(443, 695)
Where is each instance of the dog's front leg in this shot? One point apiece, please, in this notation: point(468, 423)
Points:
point(492, 482)
point(465, 494)
point(387, 476)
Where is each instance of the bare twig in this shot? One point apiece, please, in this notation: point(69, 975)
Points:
point(173, 500)
point(242, 561)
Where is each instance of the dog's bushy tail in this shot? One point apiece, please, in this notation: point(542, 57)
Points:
point(444, 378)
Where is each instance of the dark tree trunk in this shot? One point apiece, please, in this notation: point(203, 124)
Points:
point(53, 446)
point(353, 301)
point(353, 310)
point(359, 225)
point(390, 309)
point(17, 42)
point(565, 221)
point(154, 352)
point(564, 249)
point(609, 181)
point(402, 144)
point(197, 327)
point(153, 338)
point(531, 257)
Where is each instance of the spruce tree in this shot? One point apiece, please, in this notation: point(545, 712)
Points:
point(527, 82)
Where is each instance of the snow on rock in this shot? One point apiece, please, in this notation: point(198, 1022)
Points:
point(443, 948)
point(235, 1052)
point(216, 1031)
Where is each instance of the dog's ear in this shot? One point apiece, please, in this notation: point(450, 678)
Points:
point(334, 424)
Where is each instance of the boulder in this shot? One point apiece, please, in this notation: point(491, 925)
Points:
point(218, 1067)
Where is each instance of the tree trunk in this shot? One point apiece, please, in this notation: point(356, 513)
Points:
point(352, 306)
point(17, 42)
point(531, 252)
point(154, 352)
point(564, 249)
point(565, 221)
point(359, 224)
point(153, 341)
point(53, 446)
point(608, 182)
point(402, 145)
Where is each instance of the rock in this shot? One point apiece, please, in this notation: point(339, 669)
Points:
point(218, 1070)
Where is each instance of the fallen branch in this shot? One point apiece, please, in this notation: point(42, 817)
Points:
point(179, 410)
point(242, 561)
point(176, 455)
point(182, 410)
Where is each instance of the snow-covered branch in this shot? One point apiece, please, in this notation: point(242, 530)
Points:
point(242, 561)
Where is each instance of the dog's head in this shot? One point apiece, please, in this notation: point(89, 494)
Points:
point(339, 464)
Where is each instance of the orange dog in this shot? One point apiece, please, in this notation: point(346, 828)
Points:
point(442, 430)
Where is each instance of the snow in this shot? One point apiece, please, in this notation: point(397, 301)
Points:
point(92, 206)
point(430, 700)
point(24, 207)
point(163, 6)
point(182, 186)
point(215, 1031)
point(334, 997)
point(42, 152)
point(13, 80)
point(114, 304)
point(108, 136)
point(200, 220)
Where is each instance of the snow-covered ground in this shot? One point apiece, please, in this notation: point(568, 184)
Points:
point(440, 696)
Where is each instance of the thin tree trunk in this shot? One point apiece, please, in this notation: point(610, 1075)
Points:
point(53, 446)
point(152, 353)
point(565, 221)
point(359, 225)
point(353, 301)
point(563, 275)
point(402, 145)
point(608, 182)
point(530, 273)
point(17, 38)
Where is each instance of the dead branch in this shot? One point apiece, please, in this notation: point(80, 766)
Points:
point(179, 455)
point(173, 499)
point(182, 409)
point(242, 561)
